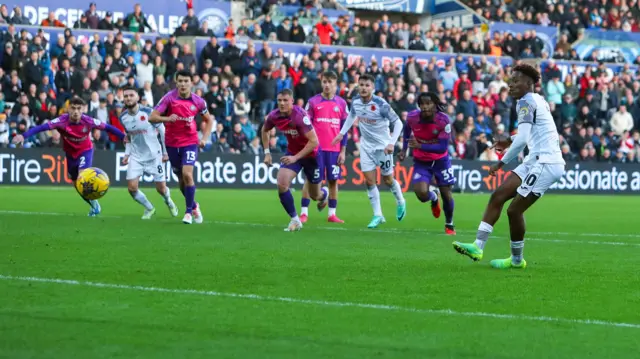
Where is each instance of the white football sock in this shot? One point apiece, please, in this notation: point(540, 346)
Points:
point(304, 211)
point(139, 197)
point(484, 230)
point(397, 192)
point(374, 198)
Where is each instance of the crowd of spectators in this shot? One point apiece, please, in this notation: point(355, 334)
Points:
point(596, 114)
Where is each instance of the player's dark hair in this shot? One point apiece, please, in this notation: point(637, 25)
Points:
point(129, 88)
point(286, 92)
point(529, 71)
point(330, 75)
point(183, 73)
point(440, 106)
point(77, 101)
point(367, 77)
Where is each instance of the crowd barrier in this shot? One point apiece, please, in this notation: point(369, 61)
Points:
point(47, 167)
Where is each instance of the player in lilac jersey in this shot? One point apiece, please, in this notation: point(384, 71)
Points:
point(430, 143)
point(302, 149)
point(75, 130)
point(328, 113)
point(178, 110)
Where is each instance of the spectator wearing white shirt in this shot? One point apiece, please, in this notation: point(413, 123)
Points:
point(621, 121)
point(144, 70)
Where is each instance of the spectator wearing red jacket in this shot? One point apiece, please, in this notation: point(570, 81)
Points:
point(325, 31)
point(461, 85)
point(584, 81)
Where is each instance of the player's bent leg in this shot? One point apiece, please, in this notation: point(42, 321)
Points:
point(394, 186)
point(305, 202)
point(506, 191)
point(139, 196)
point(285, 176)
point(516, 210)
point(424, 194)
point(165, 192)
point(333, 202)
point(374, 198)
point(448, 206)
point(319, 194)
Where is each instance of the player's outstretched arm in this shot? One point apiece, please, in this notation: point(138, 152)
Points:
point(156, 117)
point(519, 142)
point(32, 131)
point(114, 131)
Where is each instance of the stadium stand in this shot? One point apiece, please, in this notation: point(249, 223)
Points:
point(595, 104)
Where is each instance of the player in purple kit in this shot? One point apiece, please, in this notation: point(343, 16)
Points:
point(328, 113)
point(302, 148)
point(178, 110)
point(75, 130)
point(430, 142)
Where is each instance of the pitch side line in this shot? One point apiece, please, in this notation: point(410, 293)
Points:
point(322, 303)
point(388, 230)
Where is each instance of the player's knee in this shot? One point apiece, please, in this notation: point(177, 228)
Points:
point(388, 180)
point(283, 187)
point(513, 212)
point(422, 196)
point(187, 178)
point(496, 199)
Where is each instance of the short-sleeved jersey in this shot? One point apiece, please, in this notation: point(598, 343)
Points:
point(374, 118)
point(143, 135)
point(76, 136)
point(294, 126)
point(429, 132)
point(183, 132)
point(543, 143)
point(327, 117)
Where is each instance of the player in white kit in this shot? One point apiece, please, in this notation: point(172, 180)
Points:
point(542, 167)
point(377, 145)
point(144, 152)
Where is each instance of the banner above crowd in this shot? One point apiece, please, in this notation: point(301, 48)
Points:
point(409, 6)
point(611, 46)
point(164, 16)
point(548, 34)
point(295, 52)
point(453, 13)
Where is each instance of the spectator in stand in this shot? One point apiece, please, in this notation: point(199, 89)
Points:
point(136, 21)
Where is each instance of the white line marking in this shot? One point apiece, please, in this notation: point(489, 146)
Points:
point(388, 230)
point(324, 303)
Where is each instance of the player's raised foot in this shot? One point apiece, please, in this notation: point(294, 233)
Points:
point(148, 213)
point(468, 249)
point(334, 219)
point(507, 263)
point(401, 211)
point(322, 204)
point(173, 209)
point(187, 219)
point(304, 218)
point(294, 225)
point(435, 208)
point(197, 214)
point(376, 221)
point(449, 229)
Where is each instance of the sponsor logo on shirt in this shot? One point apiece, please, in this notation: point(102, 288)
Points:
point(332, 121)
point(137, 132)
point(366, 120)
point(292, 132)
point(73, 139)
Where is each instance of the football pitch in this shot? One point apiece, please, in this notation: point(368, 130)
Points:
point(237, 286)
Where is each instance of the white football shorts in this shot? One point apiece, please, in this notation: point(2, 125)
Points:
point(369, 160)
point(153, 168)
point(538, 177)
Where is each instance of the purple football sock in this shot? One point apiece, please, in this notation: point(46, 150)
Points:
point(333, 203)
point(189, 197)
point(288, 203)
point(305, 202)
point(448, 210)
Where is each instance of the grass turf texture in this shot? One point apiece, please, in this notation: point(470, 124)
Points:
point(587, 272)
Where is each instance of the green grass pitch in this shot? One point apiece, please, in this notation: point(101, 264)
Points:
point(237, 286)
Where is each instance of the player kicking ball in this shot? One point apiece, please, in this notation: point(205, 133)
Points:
point(376, 145)
point(430, 142)
point(327, 112)
point(75, 130)
point(540, 169)
point(178, 110)
point(302, 149)
point(144, 152)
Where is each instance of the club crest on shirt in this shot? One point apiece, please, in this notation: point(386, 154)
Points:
point(435, 132)
point(84, 130)
point(306, 120)
point(336, 109)
point(192, 108)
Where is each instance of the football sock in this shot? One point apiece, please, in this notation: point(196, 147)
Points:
point(516, 252)
point(484, 230)
point(374, 198)
point(333, 204)
point(397, 192)
point(189, 198)
point(166, 195)
point(304, 206)
point(447, 206)
point(286, 198)
point(139, 197)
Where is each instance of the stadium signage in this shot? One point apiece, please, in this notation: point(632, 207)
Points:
point(48, 167)
point(164, 16)
point(612, 46)
point(408, 6)
point(453, 13)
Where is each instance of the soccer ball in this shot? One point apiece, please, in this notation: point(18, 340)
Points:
point(92, 183)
